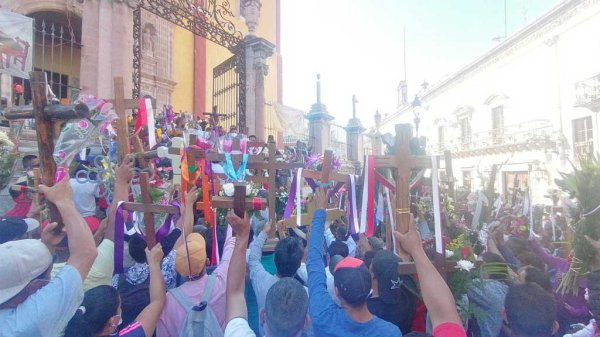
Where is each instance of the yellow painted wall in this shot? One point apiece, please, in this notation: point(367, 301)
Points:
point(183, 70)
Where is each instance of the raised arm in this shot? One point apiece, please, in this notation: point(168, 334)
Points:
point(256, 252)
point(149, 316)
point(187, 221)
point(82, 247)
point(319, 299)
point(436, 294)
point(124, 173)
point(236, 302)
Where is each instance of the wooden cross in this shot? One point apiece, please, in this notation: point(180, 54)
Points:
point(403, 162)
point(48, 119)
point(148, 208)
point(121, 105)
point(324, 176)
point(306, 218)
point(214, 116)
point(271, 167)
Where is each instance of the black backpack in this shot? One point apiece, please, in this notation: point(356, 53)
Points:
point(134, 298)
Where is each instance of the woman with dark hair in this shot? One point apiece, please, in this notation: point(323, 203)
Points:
point(100, 312)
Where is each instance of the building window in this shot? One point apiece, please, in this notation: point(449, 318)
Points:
point(497, 123)
point(583, 137)
point(465, 131)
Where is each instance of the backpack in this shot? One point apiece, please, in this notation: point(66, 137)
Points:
point(134, 298)
point(200, 320)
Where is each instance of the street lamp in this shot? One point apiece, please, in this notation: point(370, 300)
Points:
point(416, 105)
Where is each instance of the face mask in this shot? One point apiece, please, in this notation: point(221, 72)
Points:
point(506, 237)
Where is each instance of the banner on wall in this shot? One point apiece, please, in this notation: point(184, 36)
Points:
point(16, 44)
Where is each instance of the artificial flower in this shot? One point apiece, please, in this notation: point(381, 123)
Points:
point(465, 265)
point(228, 189)
point(449, 253)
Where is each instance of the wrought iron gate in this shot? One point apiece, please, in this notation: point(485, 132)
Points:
point(229, 92)
point(211, 19)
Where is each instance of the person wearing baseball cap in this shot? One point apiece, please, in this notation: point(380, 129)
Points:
point(30, 303)
point(352, 285)
point(14, 228)
point(393, 296)
point(190, 262)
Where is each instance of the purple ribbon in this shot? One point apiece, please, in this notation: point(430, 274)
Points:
point(119, 240)
point(162, 233)
point(289, 206)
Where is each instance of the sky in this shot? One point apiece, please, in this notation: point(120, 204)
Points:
point(357, 47)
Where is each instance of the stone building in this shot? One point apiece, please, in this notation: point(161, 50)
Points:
point(83, 44)
point(529, 105)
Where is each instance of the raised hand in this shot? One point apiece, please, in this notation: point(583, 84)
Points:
point(60, 194)
point(411, 241)
point(50, 237)
point(155, 255)
point(321, 198)
point(190, 197)
point(124, 172)
point(241, 227)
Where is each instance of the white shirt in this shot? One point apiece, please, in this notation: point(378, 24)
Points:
point(329, 238)
point(84, 196)
point(238, 327)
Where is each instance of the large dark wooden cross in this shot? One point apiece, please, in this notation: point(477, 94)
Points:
point(403, 162)
point(48, 120)
point(148, 208)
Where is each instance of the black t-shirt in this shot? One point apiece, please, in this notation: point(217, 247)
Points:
point(400, 314)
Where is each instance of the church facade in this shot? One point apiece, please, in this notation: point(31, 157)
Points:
point(83, 44)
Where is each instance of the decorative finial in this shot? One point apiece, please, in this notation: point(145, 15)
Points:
point(318, 88)
point(354, 101)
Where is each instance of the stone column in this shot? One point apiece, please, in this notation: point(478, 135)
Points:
point(258, 50)
point(354, 131)
point(107, 38)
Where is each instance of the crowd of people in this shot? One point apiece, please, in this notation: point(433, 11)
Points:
point(62, 282)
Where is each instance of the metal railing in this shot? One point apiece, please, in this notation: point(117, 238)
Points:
point(521, 133)
point(587, 93)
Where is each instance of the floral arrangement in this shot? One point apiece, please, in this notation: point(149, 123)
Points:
point(582, 184)
point(7, 159)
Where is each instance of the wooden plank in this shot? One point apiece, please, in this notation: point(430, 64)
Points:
point(131, 104)
point(148, 216)
point(45, 137)
point(122, 130)
point(53, 112)
point(153, 208)
point(227, 202)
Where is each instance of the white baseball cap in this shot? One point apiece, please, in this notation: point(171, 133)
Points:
point(22, 261)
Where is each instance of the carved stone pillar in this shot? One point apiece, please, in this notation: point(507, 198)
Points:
point(258, 50)
point(107, 38)
point(354, 131)
point(319, 127)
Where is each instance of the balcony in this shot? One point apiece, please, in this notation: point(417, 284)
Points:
point(587, 94)
point(527, 136)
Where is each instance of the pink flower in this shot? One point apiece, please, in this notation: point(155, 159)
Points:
point(83, 124)
point(62, 154)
